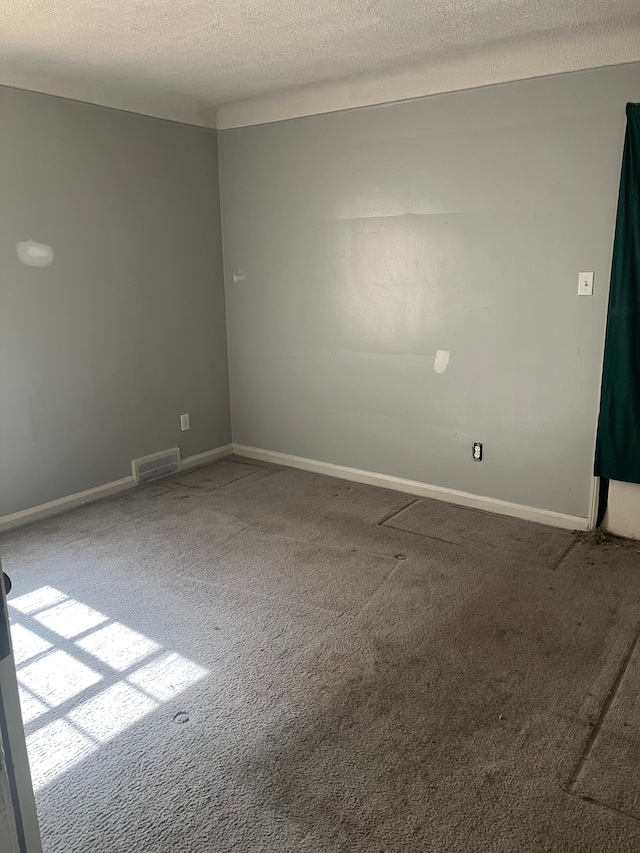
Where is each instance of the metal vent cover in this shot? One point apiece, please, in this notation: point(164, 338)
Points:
point(156, 465)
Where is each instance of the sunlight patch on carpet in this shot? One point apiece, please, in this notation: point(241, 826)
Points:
point(84, 679)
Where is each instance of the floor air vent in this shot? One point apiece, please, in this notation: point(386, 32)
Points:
point(157, 465)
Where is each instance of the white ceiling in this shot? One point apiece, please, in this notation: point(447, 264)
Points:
point(184, 58)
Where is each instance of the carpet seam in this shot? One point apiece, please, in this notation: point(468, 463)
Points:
point(318, 542)
point(593, 801)
point(215, 488)
point(393, 513)
point(604, 710)
point(564, 556)
point(427, 536)
point(388, 577)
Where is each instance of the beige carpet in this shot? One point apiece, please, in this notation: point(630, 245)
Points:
point(254, 659)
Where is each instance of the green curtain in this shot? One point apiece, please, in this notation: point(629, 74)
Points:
point(618, 442)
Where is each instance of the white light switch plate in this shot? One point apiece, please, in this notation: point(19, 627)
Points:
point(585, 284)
point(184, 422)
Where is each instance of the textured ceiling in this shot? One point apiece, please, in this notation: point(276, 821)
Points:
point(168, 57)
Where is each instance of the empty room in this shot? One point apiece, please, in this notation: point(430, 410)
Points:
point(320, 426)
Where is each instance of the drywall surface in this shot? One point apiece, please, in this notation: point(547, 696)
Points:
point(108, 339)
point(362, 246)
point(623, 510)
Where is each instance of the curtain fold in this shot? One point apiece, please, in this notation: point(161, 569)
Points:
point(618, 441)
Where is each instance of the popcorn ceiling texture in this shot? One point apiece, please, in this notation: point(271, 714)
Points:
point(181, 59)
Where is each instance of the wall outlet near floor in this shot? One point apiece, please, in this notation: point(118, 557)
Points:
point(184, 422)
point(477, 451)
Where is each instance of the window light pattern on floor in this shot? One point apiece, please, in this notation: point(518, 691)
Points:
point(84, 679)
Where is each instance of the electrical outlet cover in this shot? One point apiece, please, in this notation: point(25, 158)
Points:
point(585, 284)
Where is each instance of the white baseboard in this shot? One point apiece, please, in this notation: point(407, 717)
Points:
point(386, 481)
point(206, 458)
point(414, 487)
point(38, 513)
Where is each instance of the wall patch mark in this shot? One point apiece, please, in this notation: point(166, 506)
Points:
point(441, 360)
point(34, 254)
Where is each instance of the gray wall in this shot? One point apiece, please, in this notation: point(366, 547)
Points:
point(103, 350)
point(370, 239)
